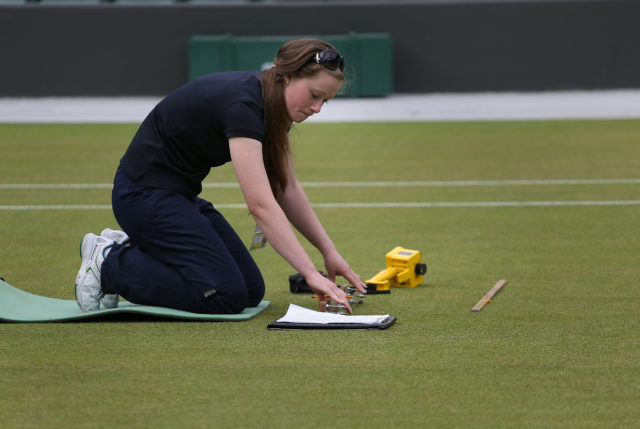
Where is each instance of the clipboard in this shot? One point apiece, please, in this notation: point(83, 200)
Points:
point(302, 318)
point(386, 323)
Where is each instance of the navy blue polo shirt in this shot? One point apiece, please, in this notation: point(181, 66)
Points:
point(188, 132)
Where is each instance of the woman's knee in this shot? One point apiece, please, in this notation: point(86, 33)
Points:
point(236, 294)
point(256, 293)
point(227, 301)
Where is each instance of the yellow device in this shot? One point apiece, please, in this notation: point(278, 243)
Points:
point(404, 269)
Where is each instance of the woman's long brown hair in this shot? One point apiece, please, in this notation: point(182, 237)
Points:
point(292, 61)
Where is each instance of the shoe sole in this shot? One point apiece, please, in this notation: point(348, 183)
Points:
point(85, 268)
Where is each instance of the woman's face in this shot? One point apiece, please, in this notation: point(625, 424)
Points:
point(305, 96)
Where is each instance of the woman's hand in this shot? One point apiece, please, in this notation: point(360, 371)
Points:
point(324, 287)
point(337, 266)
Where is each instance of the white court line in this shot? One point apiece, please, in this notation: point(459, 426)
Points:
point(355, 184)
point(40, 207)
point(437, 183)
point(479, 204)
point(367, 205)
point(607, 104)
point(56, 186)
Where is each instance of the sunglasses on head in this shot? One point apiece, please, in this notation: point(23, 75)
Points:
point(329, 59)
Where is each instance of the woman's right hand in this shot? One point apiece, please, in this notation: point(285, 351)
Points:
point(324, 287)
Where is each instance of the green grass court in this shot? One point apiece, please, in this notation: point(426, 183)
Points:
point(558, 347)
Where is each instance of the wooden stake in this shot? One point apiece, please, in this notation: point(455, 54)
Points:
point(487, 297)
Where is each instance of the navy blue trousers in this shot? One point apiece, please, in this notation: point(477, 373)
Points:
point(183, 253)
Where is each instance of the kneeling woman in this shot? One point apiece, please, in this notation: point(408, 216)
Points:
point(177, 250)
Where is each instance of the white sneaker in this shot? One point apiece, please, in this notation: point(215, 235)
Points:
point(110, 300)
point(120, 237)
point(93, 250)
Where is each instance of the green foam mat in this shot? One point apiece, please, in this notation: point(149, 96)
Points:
point(17, 305)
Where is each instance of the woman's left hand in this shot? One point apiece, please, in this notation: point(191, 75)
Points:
point(337, 266)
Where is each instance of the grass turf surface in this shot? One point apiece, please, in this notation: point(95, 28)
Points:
point(558, 347)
